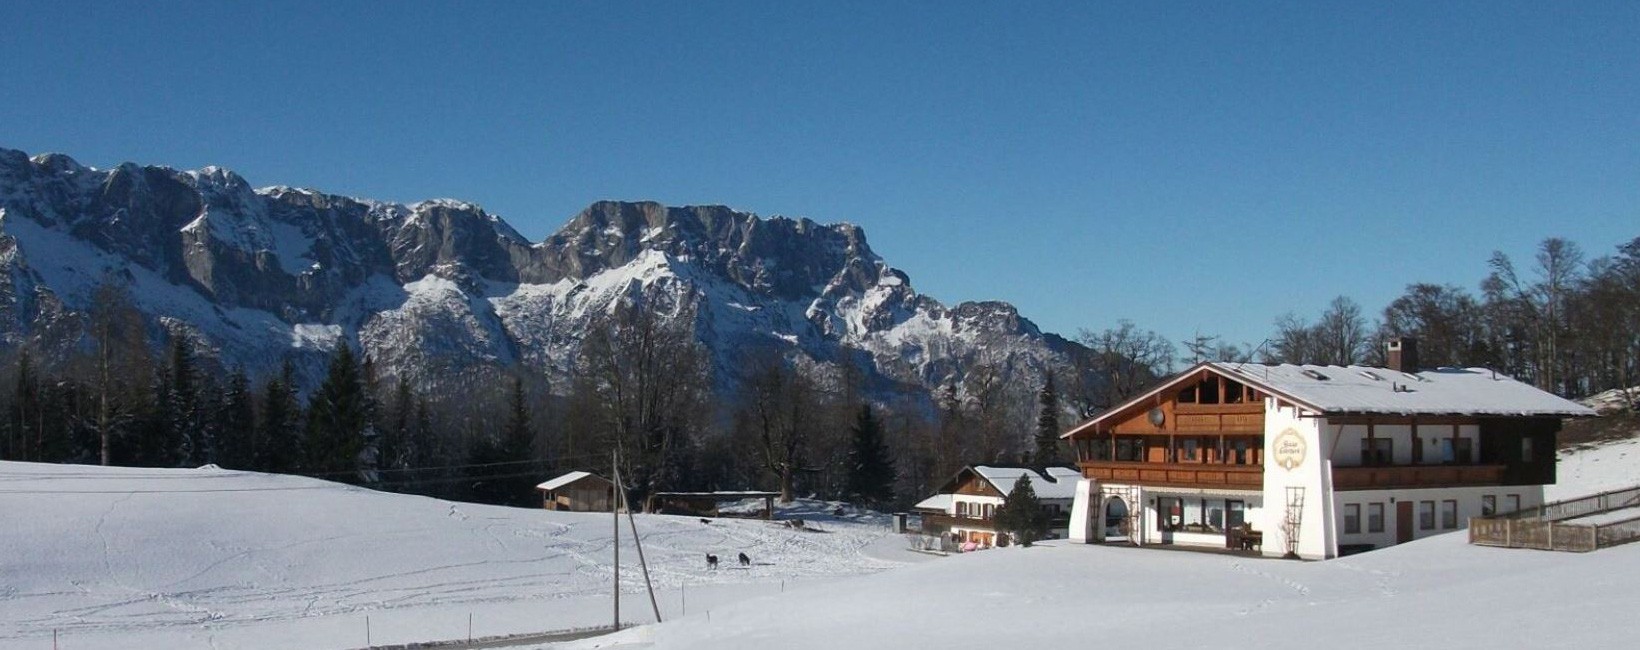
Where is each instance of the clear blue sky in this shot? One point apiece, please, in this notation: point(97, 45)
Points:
point(1200, 167)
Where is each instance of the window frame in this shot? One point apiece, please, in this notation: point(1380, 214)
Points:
point(1426, 515)
point(1352, 519)
point(1449, 514)
point(1375, 517)
point(1489, 505)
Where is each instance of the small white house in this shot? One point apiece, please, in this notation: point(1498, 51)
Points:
point(965, 507)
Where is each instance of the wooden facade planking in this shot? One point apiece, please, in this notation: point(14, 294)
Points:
point(1248, 477)
point(1389, 477)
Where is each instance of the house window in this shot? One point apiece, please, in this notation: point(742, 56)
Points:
point(1466, 450)
point(1237, 511)
point(1240, 457)
point(1449, 514)
point(1188, 452)
point(1375, 517)
point(1232, 392)
point(1489, 505)
point(1526, 450)
point(962, 509)
point(1171, 512)
point(1426, 515)
point(1188, 395)
point(1130, 449)
point(1352, 518)
point(989, 510)
point(1377, 451)
point(1511, 503)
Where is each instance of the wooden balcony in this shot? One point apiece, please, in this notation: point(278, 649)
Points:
point(1193, 475)
point(945, 522)
point(1415, 476)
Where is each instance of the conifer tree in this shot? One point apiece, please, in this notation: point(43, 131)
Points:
point(518, 441)
point(1022, 515)
point(337, 416)
point(25, 411)
point(240, 442)
point(396, 439)
point(284, 448)
point(1047, 424)
point(870, 469)
point(181, 410)
point(370, 452)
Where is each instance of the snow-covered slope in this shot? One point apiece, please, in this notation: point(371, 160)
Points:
point(1434, 593)
point(256, 273)
point(122, 557)
point(1596, 468)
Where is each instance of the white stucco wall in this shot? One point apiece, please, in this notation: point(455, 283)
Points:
point(1314, 534)
point(1343, 442)
point(1467, 498)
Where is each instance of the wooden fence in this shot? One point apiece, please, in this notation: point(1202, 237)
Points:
point(1554, 526)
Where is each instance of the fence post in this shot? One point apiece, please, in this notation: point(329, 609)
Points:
point(1551, 536)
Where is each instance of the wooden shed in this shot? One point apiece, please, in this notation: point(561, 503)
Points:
point(578, 492)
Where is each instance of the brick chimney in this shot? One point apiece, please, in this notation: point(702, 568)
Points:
point(1403, 354)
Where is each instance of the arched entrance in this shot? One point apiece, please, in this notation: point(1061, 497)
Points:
point(1115, 519)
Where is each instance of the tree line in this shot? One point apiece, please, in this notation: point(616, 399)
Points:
point(1567, 324)
point(643, 384)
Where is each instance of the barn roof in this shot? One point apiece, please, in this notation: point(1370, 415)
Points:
point(568, 479)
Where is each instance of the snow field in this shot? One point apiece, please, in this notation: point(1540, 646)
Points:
point(111, 557)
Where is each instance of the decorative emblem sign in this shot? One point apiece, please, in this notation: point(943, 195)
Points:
point(1288, 449)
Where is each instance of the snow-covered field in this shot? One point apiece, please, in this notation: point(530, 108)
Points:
point(1435, 593)
point(1595, 468)
point(121, 558)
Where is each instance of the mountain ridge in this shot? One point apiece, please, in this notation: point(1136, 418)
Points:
point(261, 273)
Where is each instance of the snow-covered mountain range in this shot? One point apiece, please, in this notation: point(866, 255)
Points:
point(440, 286)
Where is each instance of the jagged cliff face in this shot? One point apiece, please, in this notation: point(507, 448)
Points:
point(436, 287)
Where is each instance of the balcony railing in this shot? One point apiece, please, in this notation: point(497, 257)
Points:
point(1415, 476)
point(1247, 477)
point(947, 521)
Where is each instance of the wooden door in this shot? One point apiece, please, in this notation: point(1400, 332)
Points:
point(1403, 522)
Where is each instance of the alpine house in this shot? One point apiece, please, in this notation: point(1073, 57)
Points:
point(1313, 461)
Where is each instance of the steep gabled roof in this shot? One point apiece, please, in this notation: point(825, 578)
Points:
point(1058, 483)
point(1366, 390)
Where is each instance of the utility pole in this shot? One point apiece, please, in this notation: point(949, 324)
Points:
point(638, 542)
point(615, 510)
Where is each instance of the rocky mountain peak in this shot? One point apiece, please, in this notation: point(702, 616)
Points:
point(443, 286)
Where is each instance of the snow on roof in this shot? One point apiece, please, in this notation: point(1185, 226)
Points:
point(1060, 483)
point(564, 480)
point(1439, 391)
point(940, 502)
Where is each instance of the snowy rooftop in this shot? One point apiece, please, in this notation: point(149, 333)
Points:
point(940, 502)
point(1060, 483)
point(1363, 389)
point(563, 480)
